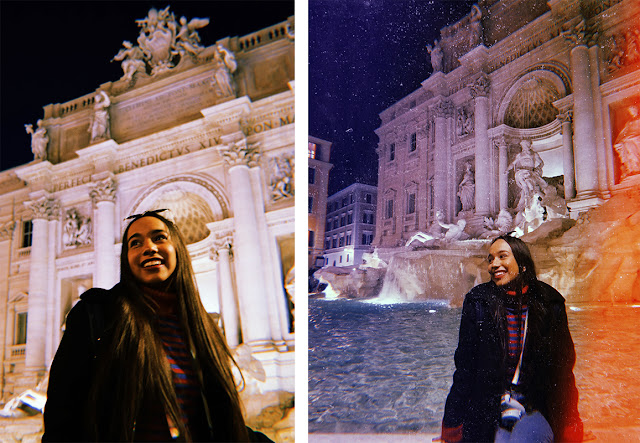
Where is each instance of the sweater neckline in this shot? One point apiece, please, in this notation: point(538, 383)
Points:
point(167, 301)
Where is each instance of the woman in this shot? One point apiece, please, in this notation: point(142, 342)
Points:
point(499, 318)
point(144, 361)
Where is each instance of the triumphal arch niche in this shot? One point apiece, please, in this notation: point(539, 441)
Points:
point(530, 113)
point(202, 129)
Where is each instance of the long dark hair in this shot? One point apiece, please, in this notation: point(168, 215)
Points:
point(136, 368)
point(522, 255)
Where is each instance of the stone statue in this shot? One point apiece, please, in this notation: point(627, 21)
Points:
point(39, 140)
point(99, 123)
point(455, 231)
point(435, 229)
point(467, 189)
point(527, 168)
point(464, 123)
point(436, 56)
point(421, 237)
point(226, 65)
point(627, 145)
point(187, 40)
point(500, 226)
point(372, 260)
point(132, 59)
point(532, 216)
point(282, 179)
point(475, 27)
point(77, 229)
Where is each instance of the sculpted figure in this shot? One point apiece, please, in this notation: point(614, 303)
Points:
point(187, 38)
point(500, 226)
point(467, 189)
point(132, 60)
point(225, 66)
point(455, 231)
point(436, 56)
point(282, 180)
point(156, 39)
point(99, 124)
point(475, 27)
point(435, 229)
point(421, 237)
point(77, 230)
point(39, 140)
point(527, 167)
point(627, 145)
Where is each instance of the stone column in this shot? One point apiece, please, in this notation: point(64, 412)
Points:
point(441, 110)
point(228, 301)
point(585, 152)
point(103, 196)
point(567, 155)
point(503, 174)
point(39, 270)
point(480, 93)
point(254, 317)
point(52, 323)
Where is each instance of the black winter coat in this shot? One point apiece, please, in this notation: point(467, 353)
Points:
point(481, 376)
point(88, 324)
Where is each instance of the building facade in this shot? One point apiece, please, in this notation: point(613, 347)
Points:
point(319, 153)
point(560, 77)
point(350, 225)
point(207, 132)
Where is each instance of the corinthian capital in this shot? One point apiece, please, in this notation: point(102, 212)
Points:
point(444, 108)
point(103, 190)
point(581, 34)
point(240, 153)
point(481, 87)
point(44, 208)
point(6, 229)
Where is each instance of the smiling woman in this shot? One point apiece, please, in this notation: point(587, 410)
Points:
point(144, 360)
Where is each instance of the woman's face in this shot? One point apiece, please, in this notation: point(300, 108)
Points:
point(503, 267)
point(151, 252)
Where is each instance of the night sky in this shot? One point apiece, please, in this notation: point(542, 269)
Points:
point(364, 55)
point(55, 51)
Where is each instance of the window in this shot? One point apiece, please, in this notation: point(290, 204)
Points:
point(345, 202)
point(351, 198)
point(327, 243)
point(341, 259)
point(367, 238)
point(414, 142)
point(350, 218)
point(27, 233)
point(341, 241)
point(411, 204)
point(314, 150)
point(364, 217)
point(312, 175)
point(310, 205)
point(328, 207)
point(21, 329)
point(389, 208)
point(343, 220)
point(368, 198)
point(335, 223)
point(328, 227)
point(312, 236)
point(334, 242)
point(392, 152)
point(348, 238)
point(347, 258)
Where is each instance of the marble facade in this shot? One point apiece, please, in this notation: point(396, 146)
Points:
point(562, 75)
point(207, 133)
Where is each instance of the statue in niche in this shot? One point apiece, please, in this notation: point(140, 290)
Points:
point(475, 27)
point(464, 123)
point(132, 60)
point(226, 65)
point(77, 229)
point(187, 40)
point(467, 189)
point(39, 140)
point(627, 145)
point(99, 122)
point(282, 179)
point(500, 226)
point(435, 52)
point(527, 168)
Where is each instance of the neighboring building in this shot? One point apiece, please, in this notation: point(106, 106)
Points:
point(319, 167)
point(350, 225)
point(562, 74)
point(210, 137)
